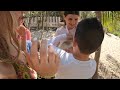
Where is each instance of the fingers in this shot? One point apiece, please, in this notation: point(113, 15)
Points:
point(34, 55)
point(39, 45)
point(28, 59)
point(43, 51)
point(33, 51)
point(57, 59)
point(51, 55)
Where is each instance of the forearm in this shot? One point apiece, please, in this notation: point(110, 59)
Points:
point(56, 40)
point(23, 43)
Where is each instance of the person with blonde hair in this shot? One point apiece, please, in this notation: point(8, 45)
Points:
point(18, 64)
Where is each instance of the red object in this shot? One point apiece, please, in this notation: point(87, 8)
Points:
point(28, 34)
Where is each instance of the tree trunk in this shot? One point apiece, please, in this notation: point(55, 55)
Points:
point(97, 53)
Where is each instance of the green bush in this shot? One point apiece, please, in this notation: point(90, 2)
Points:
point(116, 33)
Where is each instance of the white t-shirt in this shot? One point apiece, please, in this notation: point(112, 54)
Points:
point(71, 68)
point(64, 30)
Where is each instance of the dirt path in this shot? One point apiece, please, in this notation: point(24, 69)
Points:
point(109, 66)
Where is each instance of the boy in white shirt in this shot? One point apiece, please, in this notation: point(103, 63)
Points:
point(77, 65)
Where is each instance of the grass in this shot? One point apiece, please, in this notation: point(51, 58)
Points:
point(116, 33)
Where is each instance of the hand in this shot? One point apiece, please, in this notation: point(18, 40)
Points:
point(69, 36)
point(48, 62)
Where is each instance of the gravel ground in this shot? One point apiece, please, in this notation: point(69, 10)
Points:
point(109, 64)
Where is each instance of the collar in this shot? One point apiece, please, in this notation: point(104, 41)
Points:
point(67, 28)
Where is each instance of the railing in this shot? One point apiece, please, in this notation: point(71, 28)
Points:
point(45, 22)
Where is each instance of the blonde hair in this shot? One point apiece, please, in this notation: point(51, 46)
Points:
point(6, 27)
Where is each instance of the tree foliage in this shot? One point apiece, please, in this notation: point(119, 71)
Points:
point(109, 19)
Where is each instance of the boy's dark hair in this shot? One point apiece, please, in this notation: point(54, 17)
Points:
point(89, 35)
point(71, 12)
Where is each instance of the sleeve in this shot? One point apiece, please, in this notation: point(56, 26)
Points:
point(64, 56)
point(55, 40)
point(57, 32)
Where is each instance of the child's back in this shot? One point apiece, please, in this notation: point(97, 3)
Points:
point(71, 68)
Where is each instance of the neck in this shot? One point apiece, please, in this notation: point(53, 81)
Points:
point(68, 28)
point(81, 57)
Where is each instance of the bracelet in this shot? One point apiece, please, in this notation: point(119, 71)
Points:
point(46, 77)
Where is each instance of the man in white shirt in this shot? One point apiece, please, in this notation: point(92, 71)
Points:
point(77, 65)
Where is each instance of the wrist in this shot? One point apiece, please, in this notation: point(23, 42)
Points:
point(46, 77)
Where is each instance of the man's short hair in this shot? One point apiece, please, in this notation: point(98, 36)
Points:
point(71, 12)
point(89, 35)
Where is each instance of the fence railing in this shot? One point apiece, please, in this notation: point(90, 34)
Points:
point(42, 22)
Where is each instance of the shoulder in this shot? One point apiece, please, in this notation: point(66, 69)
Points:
point(7, 71)
point(93, 62)
point(27, 30)
point(21, 27)
point(60, 28)
point(92, 68)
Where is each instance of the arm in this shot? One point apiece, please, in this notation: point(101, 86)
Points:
point(65, 57)
point(46, 65)
point(22, 32)
point(28, 34)
point(56, 40)
point(56, 33)
point(23, 43)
